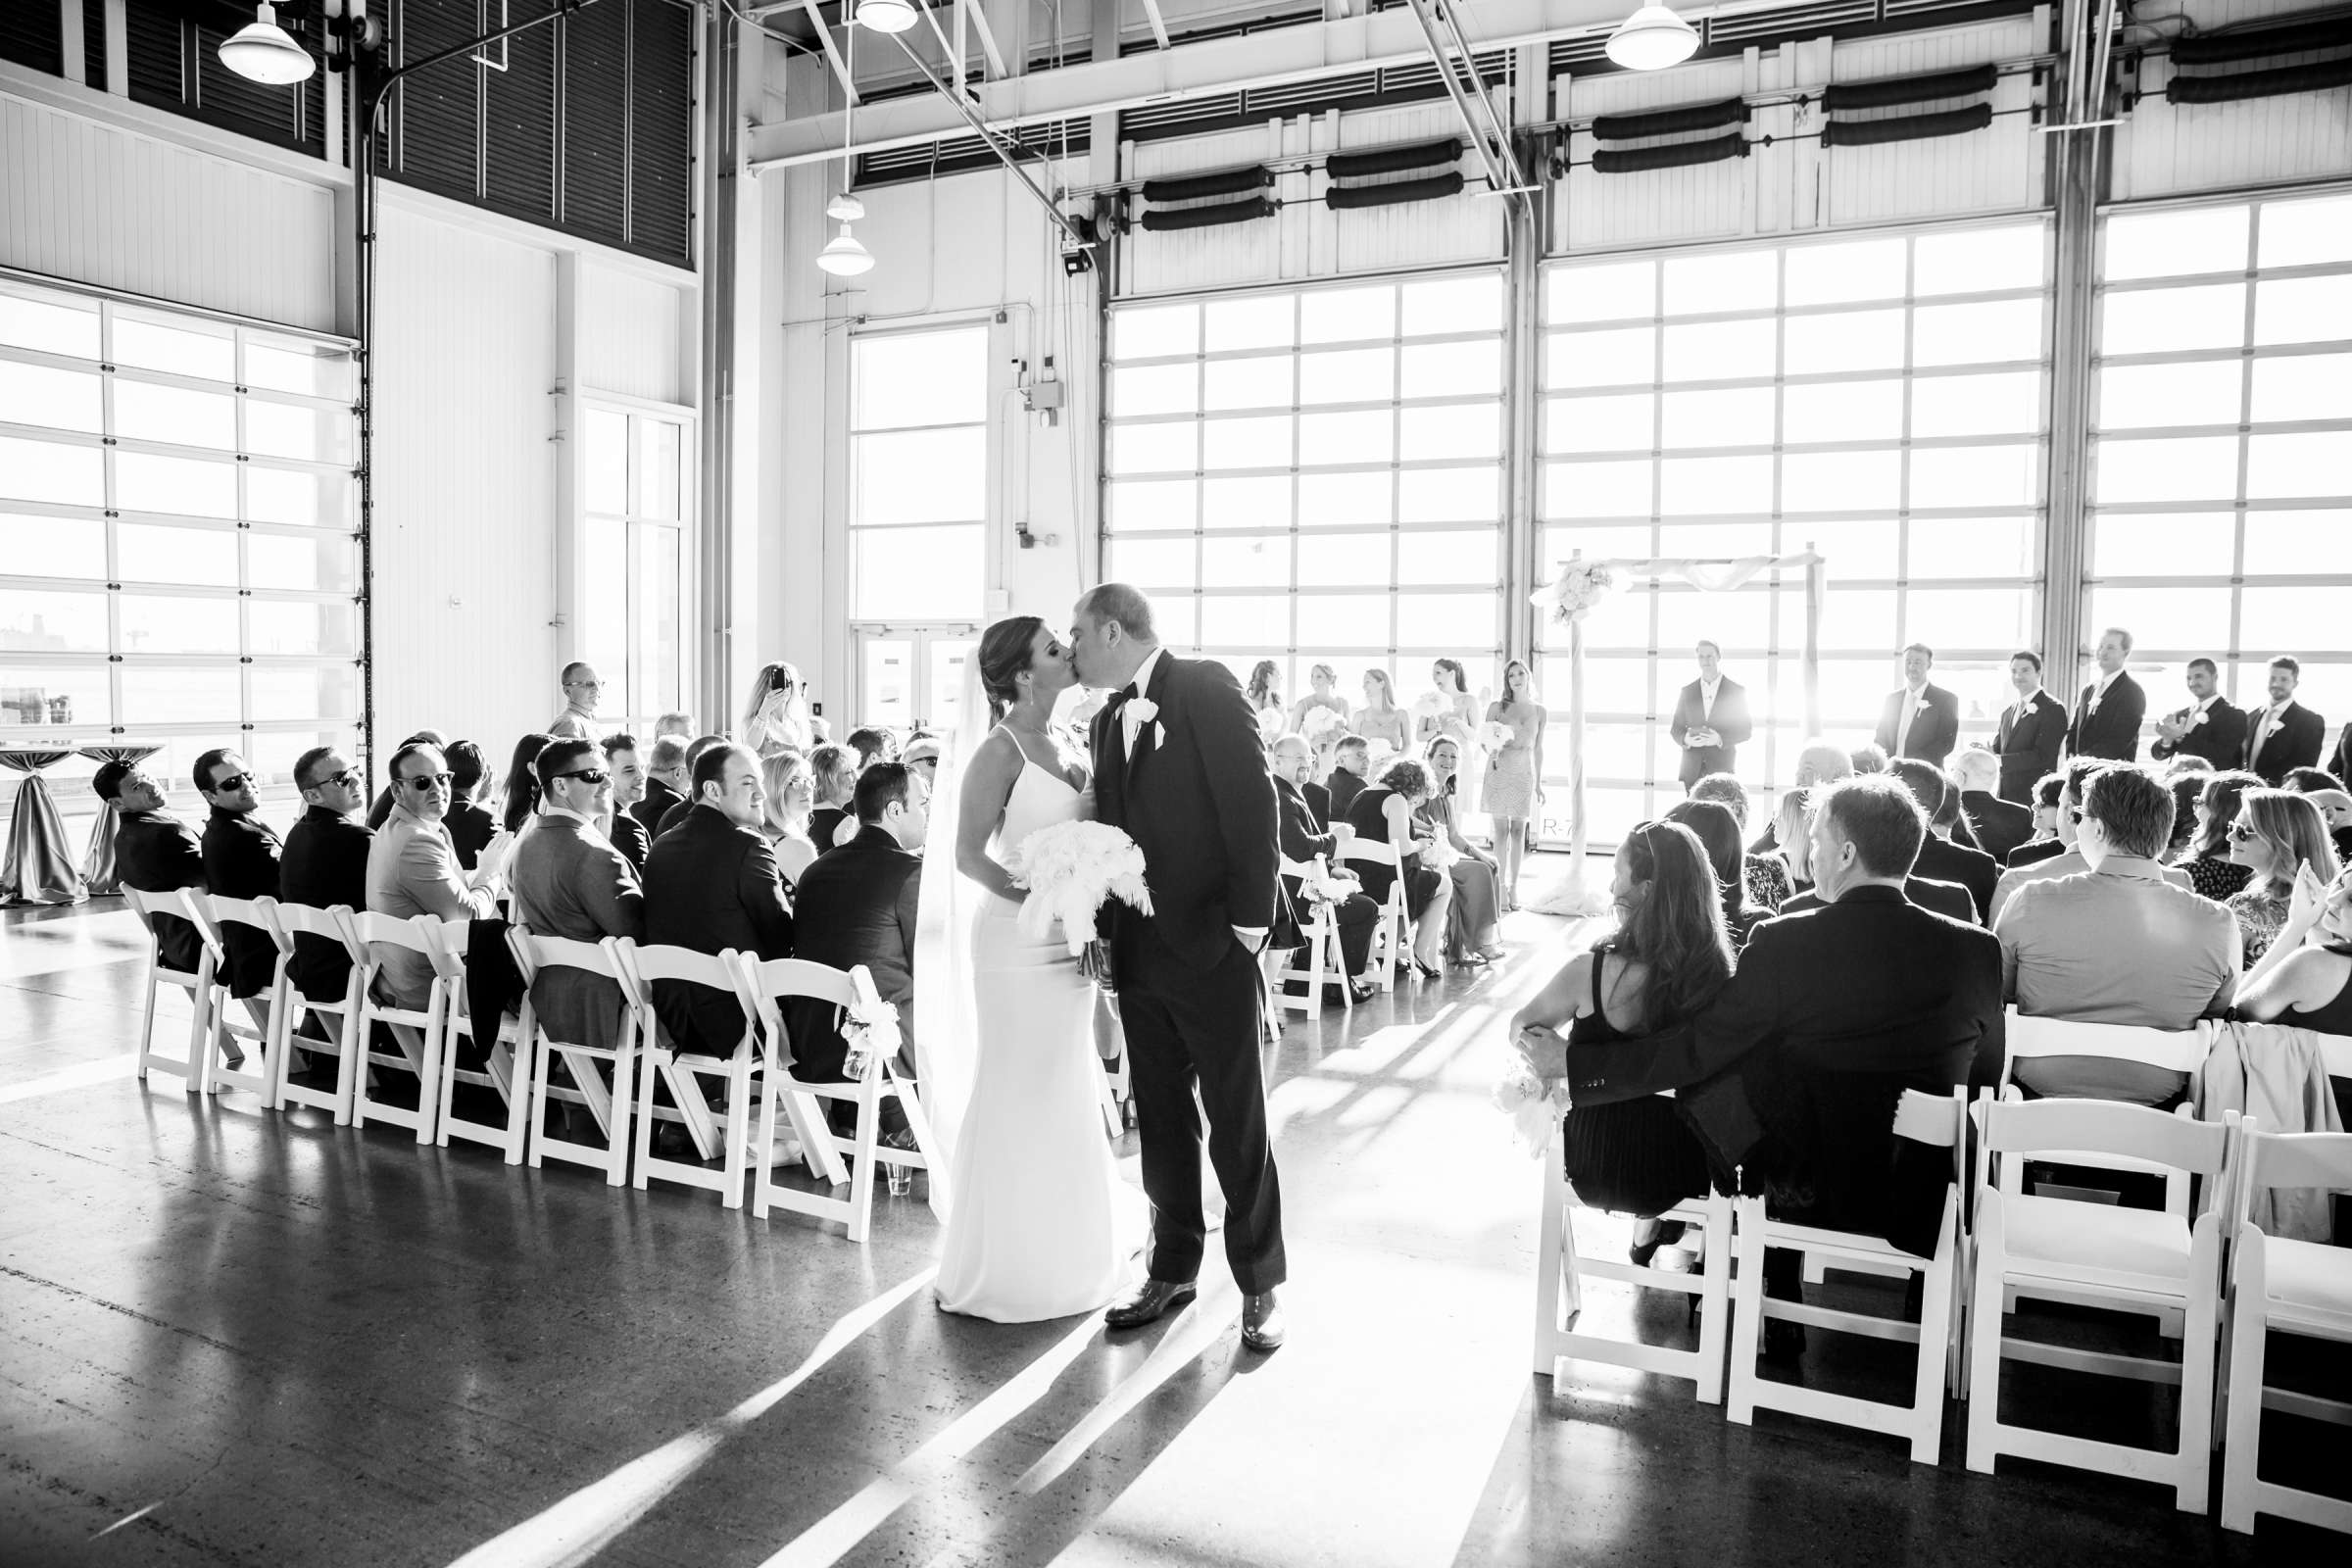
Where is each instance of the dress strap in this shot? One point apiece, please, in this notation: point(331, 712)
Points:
point(1014, 736)
point(1601, 962)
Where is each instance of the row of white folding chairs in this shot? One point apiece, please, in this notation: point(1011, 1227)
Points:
point(1317, 962)
point(615, 1083)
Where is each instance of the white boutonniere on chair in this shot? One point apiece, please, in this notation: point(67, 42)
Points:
point(870, 1027)
point(1147, 717)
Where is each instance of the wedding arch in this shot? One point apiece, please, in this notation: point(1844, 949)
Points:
point(1581, 584)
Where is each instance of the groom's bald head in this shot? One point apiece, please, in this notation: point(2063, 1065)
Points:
point(1112, 634)
point(1123, 604)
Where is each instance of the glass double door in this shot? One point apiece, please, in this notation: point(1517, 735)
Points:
point(912, 678)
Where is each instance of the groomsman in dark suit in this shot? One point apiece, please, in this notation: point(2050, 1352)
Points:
point(2208, 728)
point(860, 904)
point(2032, 730)
point(240, 861)
point(2286, 735)
point(155, 852)
point(325, 863)
point(1710, 721)
point(2108, 714)
point(712, 885)
point(1920, 720)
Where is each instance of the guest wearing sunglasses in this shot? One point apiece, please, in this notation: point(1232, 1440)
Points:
point(2070, 862)
point(241, 854)
point(414, 869)
point(568, 880)
point(325, 863)
point(2277, 834)
point(2211, 870)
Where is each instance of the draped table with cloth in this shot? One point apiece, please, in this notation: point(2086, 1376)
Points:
point(98, 861)
point(39, 868)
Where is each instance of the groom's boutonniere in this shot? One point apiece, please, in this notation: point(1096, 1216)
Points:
point(1146, 711)
point(1920, 706)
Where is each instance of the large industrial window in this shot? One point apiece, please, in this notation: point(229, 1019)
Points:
point(1315, 475)
point(1880, 398)
point(177, 557)
point(635, 560)
point(2222, 478)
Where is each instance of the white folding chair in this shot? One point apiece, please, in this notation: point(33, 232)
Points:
point(497, 1072)
point(1392, 933)
point(1318, 961)
point(1561, 1269)
point(2181, 1051)
point(295, 922)
point(261, 1071)
point(2277, 1284)
point(1935, 1120)
point(2125, 1260)
point(420, 1034)
point(607, 1105)
point(197, 983)
point(658, 1060)
point(761, 987)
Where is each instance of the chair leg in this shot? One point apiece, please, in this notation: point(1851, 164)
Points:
point(429, 1072)
point(517, 1097)
point(2195, 1466)
point(1551, 1260)
point(647, 1070)
point(936, 1181)
point(1715, 1300)
point(2243, 1454)
point(737, 1134)
point(447, 1086)
point(862, 1178)
point(616, 1139)
point(1935, 1350)
point(763, 1151)
point(542, 1063)
point(1747, 1309)
point(1984, 1352)
point(155, 986)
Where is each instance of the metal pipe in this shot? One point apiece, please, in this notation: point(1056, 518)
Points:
point(1477, 90)
point(1004, 153)
point(1496, 174)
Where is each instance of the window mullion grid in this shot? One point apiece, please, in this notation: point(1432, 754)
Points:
point(2245, 442)
point(1657, 507)
point(1778, 536)
point(1903, 515)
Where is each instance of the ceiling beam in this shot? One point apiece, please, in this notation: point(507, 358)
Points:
point(824, 35)
point(988, 37)
point(1493, 139)
point(1159, 25)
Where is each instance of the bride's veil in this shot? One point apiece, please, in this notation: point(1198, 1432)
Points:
point(946, 1033)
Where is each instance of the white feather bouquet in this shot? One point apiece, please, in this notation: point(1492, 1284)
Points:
point(1071, 869)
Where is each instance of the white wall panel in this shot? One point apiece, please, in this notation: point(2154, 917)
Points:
point(1994, 170)
point(631, 335)
point(115, 208)
point(1462, 228)
point(1210, 257)
point(2165, 149)
point(1599, 212)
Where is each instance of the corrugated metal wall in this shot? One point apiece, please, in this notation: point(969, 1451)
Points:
point(2165, 149)
point(1997, 169)
point(99, 204)
point(1601, 212)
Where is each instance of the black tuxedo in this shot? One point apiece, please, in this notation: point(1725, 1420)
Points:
point(1302, 839)
point(2294, 743)
point(855, 905)
point(630, 837)
point(240, 861)
point(1999, 826)
point(2027, 743)
point(2113, 731)
point(156, 852)
point(1318, 807)
point(659, 798)
point(1729, 721)
point(1797, 1066)
point(2340, 764)
point(1196, 797)
point(1942, 860)
point(1933, 733)
point(325, 863)
point(2221, 740)
point(2031, 854)
point(1343, 787)
point(1947, 898)
point(470, 830)
point(710, 886)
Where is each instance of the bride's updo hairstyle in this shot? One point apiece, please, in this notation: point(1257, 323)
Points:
point(1004, 653)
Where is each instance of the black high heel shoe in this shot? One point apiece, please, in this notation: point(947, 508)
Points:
point(1427, 971)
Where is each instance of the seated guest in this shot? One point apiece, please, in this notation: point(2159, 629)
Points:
point(2212, 872)
point(2186, 789)
point(1717, 834)
point(858, 905)
point(665, 782)
point(1939, 858)
point(1819, 762)
point(382, 807)
point(791, 791)
point(470, 827)
point(1997, 825)
point(711, 884)
point(2049, 794)
point(872, 744)
point(324, 864)
point(1382, 813)
point(2070, 862)
point(1667, 959)
point(1294, 758)
point(1947, 898)
point(679, 722)
point(520, 794)
point(568, 880)
point(155, 852)
point(1869, 757)
point(2327, 793)
point(1351, 765)
point(684, 804)
point(2305, 980)
point(1767, 875)
point(1302, 839)
point(629, 835)
point(2276, 835)
point(1791, 831)
point(413, 869)
point(832, 822)
point(240, 861)
point(1472, 937)
point(922, 754)
point(2116, 943)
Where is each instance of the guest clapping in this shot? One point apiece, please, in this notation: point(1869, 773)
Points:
point(1382, 813)
point(2305, 980)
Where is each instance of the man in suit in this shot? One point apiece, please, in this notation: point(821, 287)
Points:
point(2208, 728)
point(666, 782)
point(2049, 822)
point(1998, 825)
point(240, 861)
point(1303, 837)
point(155, 852)
point(2286, 735)
point(2340, 763)
point(2108, 714)
point(695, 751)
point(713, 885)
point(1920, 720)
point(1350, 759)
point(1941, 859)
point(568, 880)
point(1180, 769)
point(2031, 732)
point(414, 869)
point(629, 836)
point(1947, 898)
point(582, 688)
point(2068, 861)
point(325, 863)
point(380, 811)
point(1710, 721)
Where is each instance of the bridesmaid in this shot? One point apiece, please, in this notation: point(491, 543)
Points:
point(1380, 719)
point(1324, 682)
point(1511, 774)
point(1265, 699)
point(1456, 720)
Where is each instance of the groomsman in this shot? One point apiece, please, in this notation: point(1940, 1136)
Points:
point(1710, 721)
point(2208, 728)
point(2032, 730)
point(2107, 716)
point(1920, 720)
point(2286, 735)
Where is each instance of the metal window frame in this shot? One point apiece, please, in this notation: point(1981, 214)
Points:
point(631, 410)
point(979, 327)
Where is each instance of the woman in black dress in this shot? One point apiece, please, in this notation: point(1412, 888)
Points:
point(835, 770)
point(1382, 813)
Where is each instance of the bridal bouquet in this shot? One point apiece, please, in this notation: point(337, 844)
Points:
point(1323, 724)
point(1071, 869)
point(1571, 596)
point(1494, 735)
point(1533, 1107)
point(1270, 724)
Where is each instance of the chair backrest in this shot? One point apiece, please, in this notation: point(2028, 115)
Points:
point(2179, 1050)
point(147, 905)
point(1368, 852)
point(306, 919)
point(416, 934)
point(259, 914)
point(448, 946)
point(1935, 1119)
point(2335, 1053)
point(2093, 1127)
point(2297, 1159)
point(642, 966)
point(1291, 867)
point(759, 985)
point(535, 952)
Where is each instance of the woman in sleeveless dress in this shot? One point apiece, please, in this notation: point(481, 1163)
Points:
point(1509, 795)
point(1040, 1222)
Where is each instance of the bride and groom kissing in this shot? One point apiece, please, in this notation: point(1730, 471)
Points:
point(1041, 1226)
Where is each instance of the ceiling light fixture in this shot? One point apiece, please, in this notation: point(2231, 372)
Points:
point(886, 16)
point(844, 257)
point(260, 51)
point(1652, 39)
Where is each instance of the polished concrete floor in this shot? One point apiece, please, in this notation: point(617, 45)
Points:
point(229, 1337)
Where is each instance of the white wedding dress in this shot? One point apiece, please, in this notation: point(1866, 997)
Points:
point(1042, 1225)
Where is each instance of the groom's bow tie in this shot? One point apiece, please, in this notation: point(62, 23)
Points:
point(1123, 695)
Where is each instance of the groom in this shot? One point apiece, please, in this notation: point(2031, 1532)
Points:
point(1178, 765)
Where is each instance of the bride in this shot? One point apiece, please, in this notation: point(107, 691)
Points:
point(1034, 1230)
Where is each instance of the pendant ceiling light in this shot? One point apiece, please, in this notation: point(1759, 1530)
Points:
point(260, 51)
point(1652, 39)
point(844, 257)
point(886, 16)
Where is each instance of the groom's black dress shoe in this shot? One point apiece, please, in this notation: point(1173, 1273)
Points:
point(1156, 1299)
point(1262, 1326)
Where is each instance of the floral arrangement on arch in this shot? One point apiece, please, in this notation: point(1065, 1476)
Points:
point(1571, 596)
point(1071, 869)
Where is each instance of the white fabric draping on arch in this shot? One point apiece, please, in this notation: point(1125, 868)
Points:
point(1715, 576)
